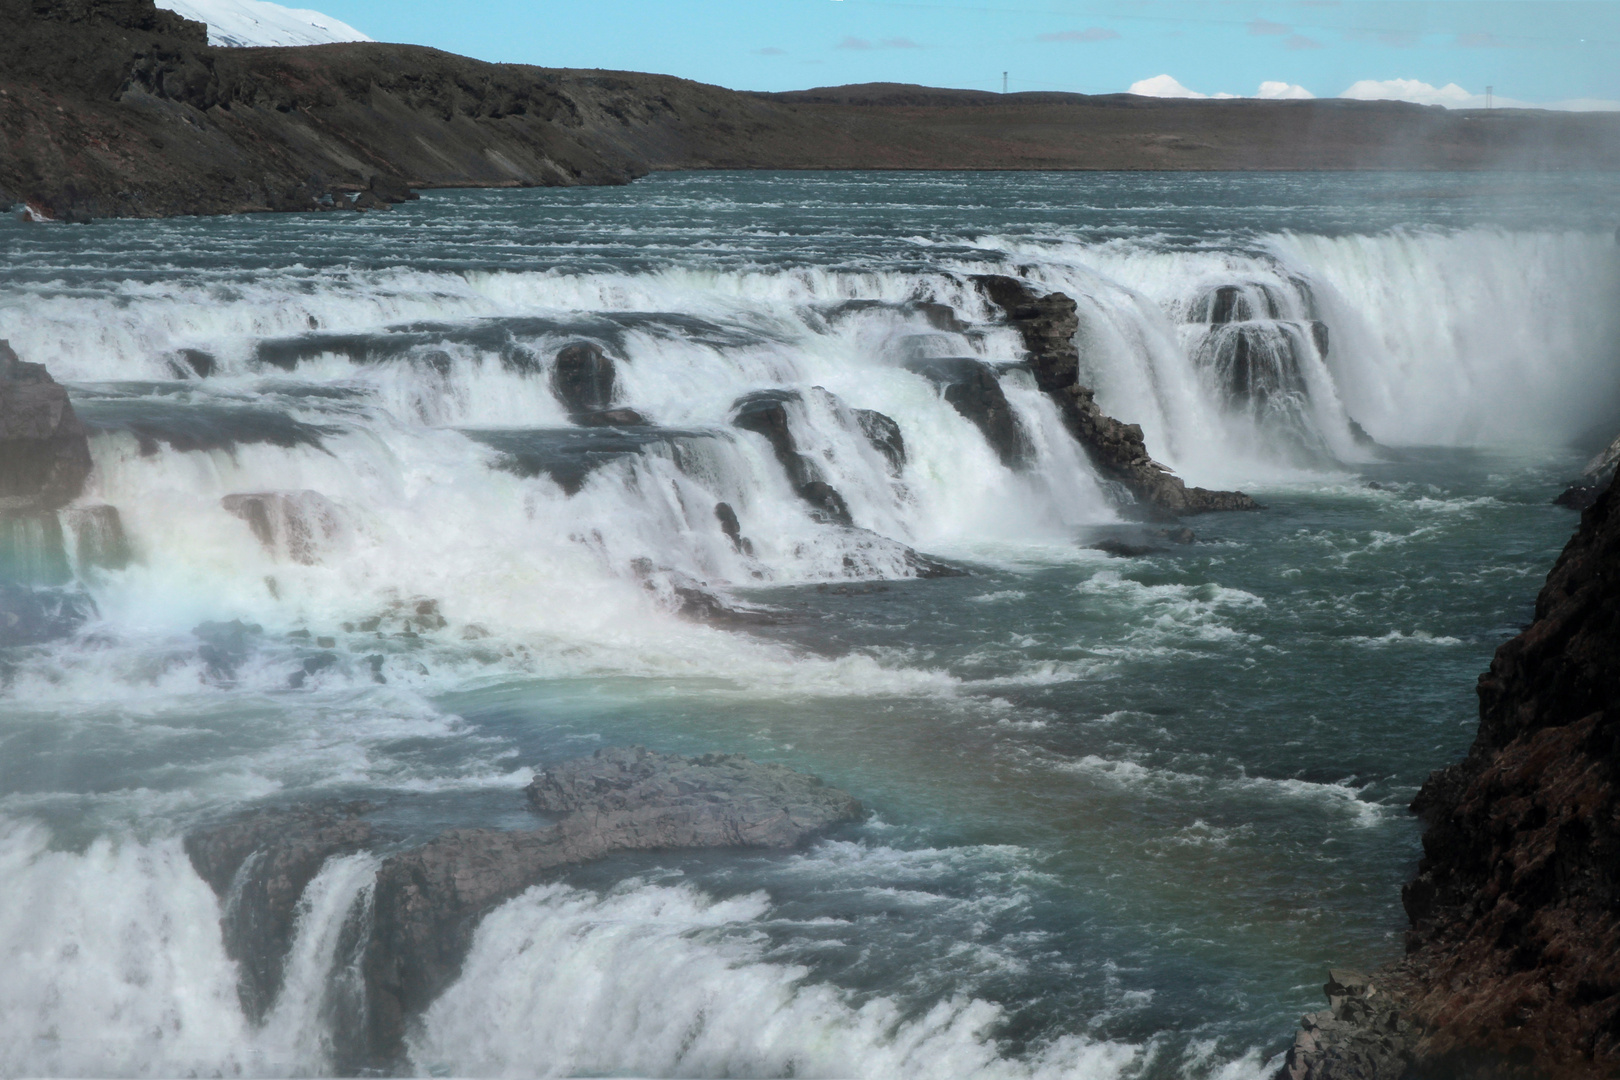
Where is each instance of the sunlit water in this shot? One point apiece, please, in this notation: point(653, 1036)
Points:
point(1124, 811)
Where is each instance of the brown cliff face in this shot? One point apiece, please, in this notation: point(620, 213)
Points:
point(116, 108)
point(1514, 962)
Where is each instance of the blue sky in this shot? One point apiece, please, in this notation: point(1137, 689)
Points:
point(1535, 51)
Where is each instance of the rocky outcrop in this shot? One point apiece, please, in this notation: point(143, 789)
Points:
point(583, 378)
point(44, 452)
point(261, 865)
point(428, 900)
point(44, 461)
point(1364, 1033)
point(972, 389)
point(1047, 323)
point(1513, 957)
point(1594, 479)
point(292, 525)
point(884, 435)
point(765, 412)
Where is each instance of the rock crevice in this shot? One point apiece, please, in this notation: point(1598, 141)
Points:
point(1047, 323)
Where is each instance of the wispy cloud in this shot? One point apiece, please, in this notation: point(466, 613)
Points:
point(1095, 33)
point(1478, 41)
point(1265, 27)
point(862, 45)
point(1300, 41)
point(770, 50)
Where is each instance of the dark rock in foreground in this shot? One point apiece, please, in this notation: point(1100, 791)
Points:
point(765, 412)
point(584, 379)
point(427, 901)
point(884, 435)
point(44, 453)
point(1047, 323)
point(262, 864)
point(1513, 958)
point(1363, 1033)
point(973, 390)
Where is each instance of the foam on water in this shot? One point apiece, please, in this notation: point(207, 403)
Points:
point(363, 402)
point(563, 981)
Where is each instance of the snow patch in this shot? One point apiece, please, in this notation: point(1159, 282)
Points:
point(249, 23)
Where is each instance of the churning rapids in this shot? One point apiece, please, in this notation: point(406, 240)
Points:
point(1123, 810)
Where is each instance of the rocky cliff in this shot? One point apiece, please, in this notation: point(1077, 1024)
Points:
point(1047, 323)
point(1513, 965)
point(115, 108)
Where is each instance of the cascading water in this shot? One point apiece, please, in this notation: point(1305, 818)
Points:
point(347, 536)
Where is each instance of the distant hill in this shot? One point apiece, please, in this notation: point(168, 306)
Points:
point(120, 108)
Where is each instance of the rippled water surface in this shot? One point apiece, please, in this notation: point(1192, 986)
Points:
point(1124, 810)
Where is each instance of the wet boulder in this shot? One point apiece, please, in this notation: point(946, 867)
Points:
point(293, 525)
point(972, 389)
point(884, 435)
point(1254, 362)
point(44, 453)
point(765, 412)
point(583, 378)
point(727, 517)
point(261, 864)
point(1117, 450)
point(1047, 323)
point(428, 901)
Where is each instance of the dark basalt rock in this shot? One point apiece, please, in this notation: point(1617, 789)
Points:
point(764, 412)
point(570, 455)
point(1363, 1034)
point(294, 525)
point(44, 453)
point(611, 418)
point(1513, 958)
point(1047, 325)
point(583, 378)
point(1124, 549)
point(1254, 362)
point(727, 517)
point(100, 541)
point(973, 390)
point(428, 901)
point(884, 435)
point(261, 865)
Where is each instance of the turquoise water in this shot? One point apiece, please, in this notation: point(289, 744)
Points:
point(1124, 811)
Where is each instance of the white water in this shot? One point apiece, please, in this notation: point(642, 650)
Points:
point(113, 957)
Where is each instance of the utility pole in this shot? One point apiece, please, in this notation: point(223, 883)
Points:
point(1488, 90)
point(1003, 82)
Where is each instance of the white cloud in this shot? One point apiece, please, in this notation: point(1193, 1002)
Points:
point(1166, 86)
point(1453, 96)
point(1163, 86)
point(1282, 91)
point(1450, 95)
